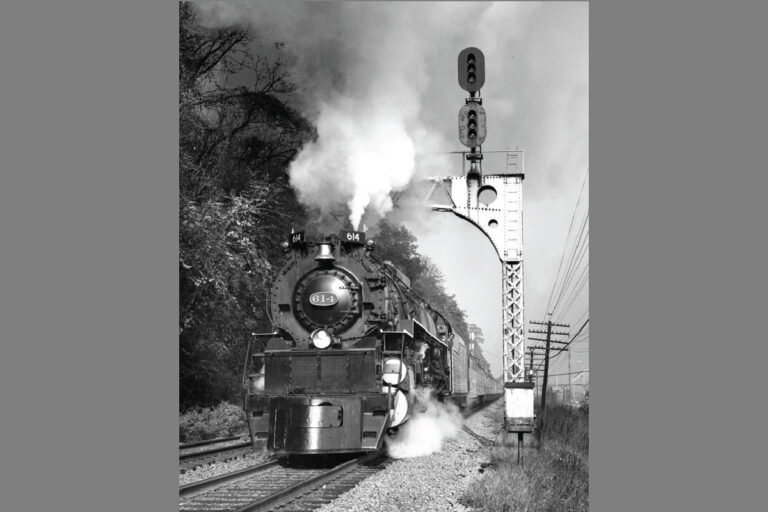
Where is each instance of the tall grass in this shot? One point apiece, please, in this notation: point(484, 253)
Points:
point(554, 476)
point(567, 424)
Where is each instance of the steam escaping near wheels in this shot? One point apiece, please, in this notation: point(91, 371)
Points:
point(432, 424)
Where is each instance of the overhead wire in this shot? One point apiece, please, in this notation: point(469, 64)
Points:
point(570, 228)
point(575, 261)
point(575, 294)
point(560, 350)
point(571, 279)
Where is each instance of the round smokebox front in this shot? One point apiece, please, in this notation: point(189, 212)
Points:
point(326, 299)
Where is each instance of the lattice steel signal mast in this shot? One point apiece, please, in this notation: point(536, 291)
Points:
point(493, 203)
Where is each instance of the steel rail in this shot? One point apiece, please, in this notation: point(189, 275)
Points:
point(208, 441)
point(212, 451)
point(195, 488)
point(289, 493)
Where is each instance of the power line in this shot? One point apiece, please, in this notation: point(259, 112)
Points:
point(574, 337)
point(575, 259)
point(575, 294)
point(568, 343)
point(567, 373)
point(570, 227)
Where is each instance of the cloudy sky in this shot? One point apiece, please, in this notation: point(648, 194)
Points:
point(380, 80)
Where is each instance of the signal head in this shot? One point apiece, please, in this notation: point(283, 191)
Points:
point(471, 69)
point(472, 125)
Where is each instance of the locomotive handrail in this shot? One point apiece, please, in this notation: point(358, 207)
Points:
point(248, 353)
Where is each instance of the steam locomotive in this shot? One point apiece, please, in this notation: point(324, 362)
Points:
point(352, 345)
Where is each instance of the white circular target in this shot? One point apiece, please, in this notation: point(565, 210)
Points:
point(394, 372)
point(399, 408)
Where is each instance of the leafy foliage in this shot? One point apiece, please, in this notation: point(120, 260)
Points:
point(232, 135)
point(476, 344)
point(222, 420)
point(235, 201)
point(222, 277)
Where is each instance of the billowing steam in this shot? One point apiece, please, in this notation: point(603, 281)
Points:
point(364, 152)
point(426, 431)
point(365, 69)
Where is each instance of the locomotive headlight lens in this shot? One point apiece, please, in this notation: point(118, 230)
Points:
point(321, 339)
point(394, 372)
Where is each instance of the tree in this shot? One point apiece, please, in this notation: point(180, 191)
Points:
point(477, 351)
point(231, 136)
point(398, 245)
point(235, 201)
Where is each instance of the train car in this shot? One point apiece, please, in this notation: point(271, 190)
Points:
point(352, 342)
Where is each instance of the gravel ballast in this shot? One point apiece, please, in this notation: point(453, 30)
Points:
point(431, 482)
point(219, 468)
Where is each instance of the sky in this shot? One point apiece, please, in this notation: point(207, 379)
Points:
point(379, 80)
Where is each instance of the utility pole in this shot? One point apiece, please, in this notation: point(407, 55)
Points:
point(530, 365)
point(547, 340)
point(534, 364)
point(570, 395)
point(544, 357)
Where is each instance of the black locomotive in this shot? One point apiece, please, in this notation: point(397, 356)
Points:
point(352, 344)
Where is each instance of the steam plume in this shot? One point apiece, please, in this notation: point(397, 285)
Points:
point(364, 67)
point(426, 431)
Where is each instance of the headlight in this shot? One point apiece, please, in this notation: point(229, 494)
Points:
point(321, 339)
point(394, 372)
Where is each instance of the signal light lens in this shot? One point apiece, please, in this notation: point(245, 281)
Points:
point(321, 339)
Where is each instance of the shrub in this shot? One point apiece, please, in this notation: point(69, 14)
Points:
point(223, 420)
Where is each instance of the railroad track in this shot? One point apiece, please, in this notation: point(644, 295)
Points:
point(194, 455)
point(273, 485)
point(208, 442)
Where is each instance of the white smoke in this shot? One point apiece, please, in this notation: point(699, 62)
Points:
point(365, 67)
point(363, 152)
point(427, 430)
point(421, 348)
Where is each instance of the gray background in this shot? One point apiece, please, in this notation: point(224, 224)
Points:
point(88, 267)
